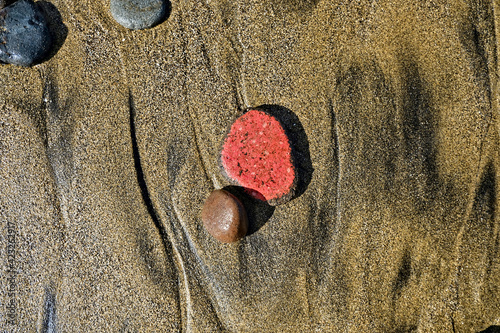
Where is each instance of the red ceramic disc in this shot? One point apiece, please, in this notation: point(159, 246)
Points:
point(258, 156)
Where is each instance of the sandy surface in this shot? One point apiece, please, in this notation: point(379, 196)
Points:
point(109, 149)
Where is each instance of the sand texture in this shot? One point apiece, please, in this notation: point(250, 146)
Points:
point(109, 149)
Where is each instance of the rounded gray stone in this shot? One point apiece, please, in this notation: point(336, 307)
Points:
point(25, 38)
point(138, 14)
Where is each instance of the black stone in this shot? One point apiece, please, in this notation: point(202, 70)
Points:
point(25, 38)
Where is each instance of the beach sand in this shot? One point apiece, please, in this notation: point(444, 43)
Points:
point(109, 149)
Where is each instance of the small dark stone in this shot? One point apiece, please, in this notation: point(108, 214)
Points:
point(139, 14)
point(224, 217)
point(25, 38)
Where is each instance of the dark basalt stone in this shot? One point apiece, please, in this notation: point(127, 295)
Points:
point(25, 38)
point(224, 217)
point(139, 14)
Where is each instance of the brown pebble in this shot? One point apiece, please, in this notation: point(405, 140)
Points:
point(224, 217)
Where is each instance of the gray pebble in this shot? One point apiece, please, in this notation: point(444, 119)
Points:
point(138, 14)
point(25, 38)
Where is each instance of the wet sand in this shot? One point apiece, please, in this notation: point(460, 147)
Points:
point(109, 149)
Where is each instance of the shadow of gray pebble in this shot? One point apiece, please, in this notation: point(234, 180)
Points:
point(298, 141)
point(258, 212)
point(56, 26)
point(168, 11)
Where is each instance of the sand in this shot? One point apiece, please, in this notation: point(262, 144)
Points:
point(109, 149)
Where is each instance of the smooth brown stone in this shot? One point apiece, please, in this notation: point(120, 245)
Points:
point(224, 217)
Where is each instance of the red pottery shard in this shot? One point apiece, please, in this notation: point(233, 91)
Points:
point(257, 155)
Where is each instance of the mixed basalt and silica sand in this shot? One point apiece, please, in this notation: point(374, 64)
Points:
point(109, 149)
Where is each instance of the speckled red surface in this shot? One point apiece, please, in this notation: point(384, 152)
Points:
point(257, 154)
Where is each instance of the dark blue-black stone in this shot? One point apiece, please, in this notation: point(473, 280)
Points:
point(25, 38)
